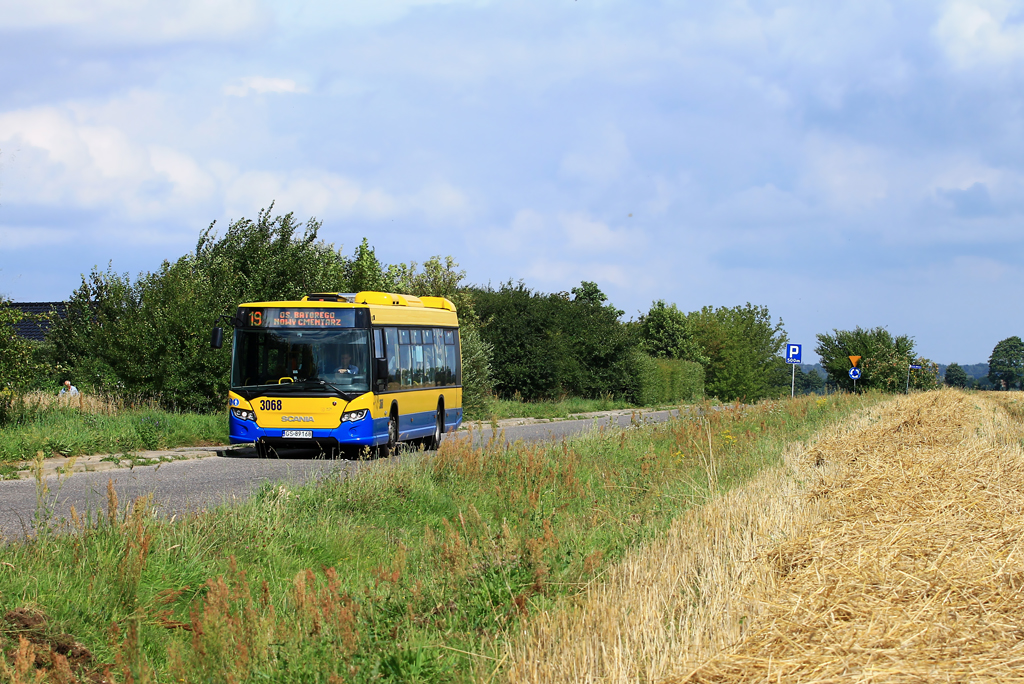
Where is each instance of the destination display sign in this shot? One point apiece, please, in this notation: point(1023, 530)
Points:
point(298, 317)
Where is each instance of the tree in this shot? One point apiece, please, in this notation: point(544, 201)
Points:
point(441, 277)
point(956, 376)
point(151, 335)
point(667, 333)
point(1006, 365)
point(926, 377)
point(20, 365)
point(546, 345)
point(885, 359)
point(365, 273)
point(741, 345)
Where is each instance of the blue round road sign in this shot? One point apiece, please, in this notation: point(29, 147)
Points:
point(855, 373)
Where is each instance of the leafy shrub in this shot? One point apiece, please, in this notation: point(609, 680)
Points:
point(885, 360)
point(742, 345)
point(665, 381)
point(680, 381)
point(476, 369)
point(547, 345)
point(646, 380)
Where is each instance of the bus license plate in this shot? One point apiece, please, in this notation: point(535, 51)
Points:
point(298, 434)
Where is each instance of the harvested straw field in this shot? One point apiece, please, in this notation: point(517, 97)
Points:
point(887, 550)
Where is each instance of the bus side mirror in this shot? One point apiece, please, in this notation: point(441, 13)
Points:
point(381, 371)
point(217, 338)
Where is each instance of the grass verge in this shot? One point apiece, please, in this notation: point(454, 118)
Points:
point(98, 425)
point(500, 409)
point(414, 571)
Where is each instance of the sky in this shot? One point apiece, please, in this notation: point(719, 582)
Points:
point(844, 164)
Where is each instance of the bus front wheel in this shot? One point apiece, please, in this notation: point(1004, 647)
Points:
point(392, 446)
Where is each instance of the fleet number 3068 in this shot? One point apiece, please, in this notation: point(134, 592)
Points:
point(270, 404)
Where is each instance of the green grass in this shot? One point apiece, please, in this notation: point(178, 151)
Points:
point(68, 431)
point(413, 571)
point(499, 409)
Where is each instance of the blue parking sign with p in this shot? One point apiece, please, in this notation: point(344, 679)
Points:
point(792, 353)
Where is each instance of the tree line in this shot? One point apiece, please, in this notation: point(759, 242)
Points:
point(149, 335)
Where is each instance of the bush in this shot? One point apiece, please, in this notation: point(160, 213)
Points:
point(645, 379)
point(742, 345)
point(476, 369)
point(680, 381)
point(885, 360)
point(23, 364)
point(549, 345)
point(664, 381)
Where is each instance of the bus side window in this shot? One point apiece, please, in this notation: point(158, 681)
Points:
point(441, 376)
point(451, 354)
point(378, 343)
point(405, 358)
point(417, 357)
point(457, 368)
point(391, 347)
point(429, 367)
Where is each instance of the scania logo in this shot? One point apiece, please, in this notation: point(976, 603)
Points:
point(296, 419)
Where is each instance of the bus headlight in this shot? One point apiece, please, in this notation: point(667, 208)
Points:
point(353, 416)
point(243, 414)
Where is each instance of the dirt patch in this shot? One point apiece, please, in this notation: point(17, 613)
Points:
point(58, 656)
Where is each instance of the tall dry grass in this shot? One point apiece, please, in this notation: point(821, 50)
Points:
point(887, 550)
point(98, 404)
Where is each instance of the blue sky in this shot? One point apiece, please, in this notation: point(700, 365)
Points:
point(841, 163)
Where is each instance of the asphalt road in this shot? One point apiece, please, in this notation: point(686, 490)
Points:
point(233, 475)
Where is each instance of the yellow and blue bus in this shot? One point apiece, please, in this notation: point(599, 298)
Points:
point(344, 371)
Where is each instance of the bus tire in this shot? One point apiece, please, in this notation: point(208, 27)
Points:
point(392, 446)
point(434, 441)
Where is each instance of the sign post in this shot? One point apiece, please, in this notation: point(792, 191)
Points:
point(854, 372)
point(793, 358)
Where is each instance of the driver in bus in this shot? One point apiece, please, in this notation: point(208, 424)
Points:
point(347, 365)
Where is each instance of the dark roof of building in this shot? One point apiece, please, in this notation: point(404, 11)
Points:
point(31, 329)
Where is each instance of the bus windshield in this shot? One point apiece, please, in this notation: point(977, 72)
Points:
point(294, 359)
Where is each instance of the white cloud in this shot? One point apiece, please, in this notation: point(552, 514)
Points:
point(311, 193)
point(261, 85)
point(561, 274)
point(138, 21)
point(525, 233)
point(50, 157)
point(22, 237)
point(316, 14)
point(980, 32)
point(588, 235)
point(847, 175)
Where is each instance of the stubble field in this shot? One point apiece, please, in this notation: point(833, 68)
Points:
point(885, 549)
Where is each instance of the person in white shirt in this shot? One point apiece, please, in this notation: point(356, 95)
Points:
point(68, 390)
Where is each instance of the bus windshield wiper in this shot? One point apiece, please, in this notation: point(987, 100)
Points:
point(320, 382)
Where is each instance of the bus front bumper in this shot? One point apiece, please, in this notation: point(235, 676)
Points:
point(360, 433)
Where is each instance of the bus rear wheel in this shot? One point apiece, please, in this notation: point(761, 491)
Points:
point(434, 440)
